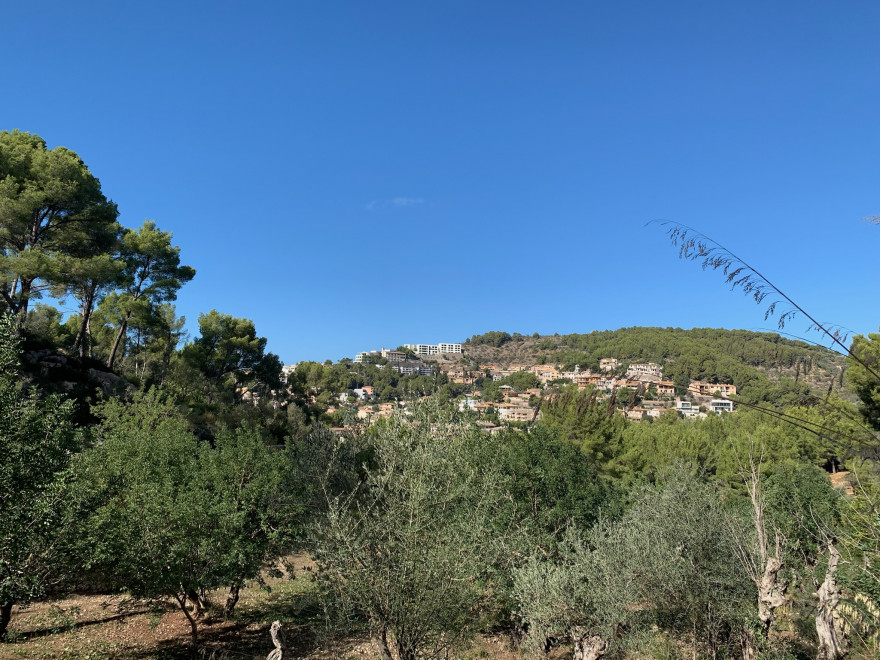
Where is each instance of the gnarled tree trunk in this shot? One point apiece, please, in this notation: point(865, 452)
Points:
point(832, 643)
point(771, 592)
point(588, 646)
point(277, 635)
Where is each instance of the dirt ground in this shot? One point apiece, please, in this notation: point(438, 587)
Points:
point(89, 626)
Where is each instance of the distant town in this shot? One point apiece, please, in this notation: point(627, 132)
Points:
point(638, 389)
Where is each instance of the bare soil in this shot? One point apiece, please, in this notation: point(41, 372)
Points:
point(93, 626)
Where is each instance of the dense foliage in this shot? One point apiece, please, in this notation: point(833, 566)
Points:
point(37, 439)
point(412, 550)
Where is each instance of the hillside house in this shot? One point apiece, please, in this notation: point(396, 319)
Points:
point(585, 380)
point(686, 408)
point(363, 355)
point(700, 388)
point(608, 364)
point(364, 393)
point(665, 388)
point(590, 380)
point(545, 373)
point(413, 368)
point(394, 356)
point(636, 414)
point(511, 413)
point(464, 377)
point(719, 406)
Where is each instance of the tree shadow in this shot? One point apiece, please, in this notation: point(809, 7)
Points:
point(240, 641)
point(55, 628)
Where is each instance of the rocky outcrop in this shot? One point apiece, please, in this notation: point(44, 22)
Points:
point(60, 373)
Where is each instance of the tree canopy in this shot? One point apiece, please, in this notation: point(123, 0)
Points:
point(51, 208)
point(151, 274)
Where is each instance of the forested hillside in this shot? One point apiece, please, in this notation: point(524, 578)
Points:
point(753, 361)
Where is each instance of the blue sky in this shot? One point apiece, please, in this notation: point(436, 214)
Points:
point(352, 175)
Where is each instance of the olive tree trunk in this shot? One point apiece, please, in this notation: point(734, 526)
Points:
point(588, 646)
point(832, 642)
point(748, 644)
point(278, 641)
point(199, 604)
point(765, 571)
point(771, 592)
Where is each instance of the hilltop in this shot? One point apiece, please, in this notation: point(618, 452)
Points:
point(745, 358)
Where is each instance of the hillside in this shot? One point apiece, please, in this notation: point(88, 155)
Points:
point(749, 360)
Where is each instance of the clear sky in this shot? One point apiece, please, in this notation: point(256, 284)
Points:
point(353, 175)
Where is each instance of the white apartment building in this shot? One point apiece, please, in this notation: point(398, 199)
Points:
point(645, 368)
point(412, 368)
point(434, 349)
point(423, 349)
point(360, 357)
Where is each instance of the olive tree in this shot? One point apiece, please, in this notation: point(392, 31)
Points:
point(410, 552)
point(581, 595)
point(669, 562)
